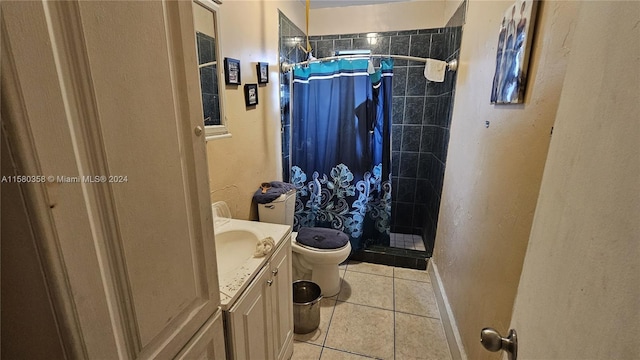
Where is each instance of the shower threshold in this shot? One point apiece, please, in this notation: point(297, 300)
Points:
point(392, 256)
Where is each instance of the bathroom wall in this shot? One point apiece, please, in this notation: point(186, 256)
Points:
point(457, 17)
point(454, 12)
point(493, 174)
point(406, 15)
point(237, 165)
point(582, 263)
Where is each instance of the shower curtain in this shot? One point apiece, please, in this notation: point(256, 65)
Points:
point(340, 153)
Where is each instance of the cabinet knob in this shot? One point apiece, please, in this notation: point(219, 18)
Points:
point(269, 282)
point(275, 272)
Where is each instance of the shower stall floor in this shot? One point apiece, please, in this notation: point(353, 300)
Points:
point(407, 241)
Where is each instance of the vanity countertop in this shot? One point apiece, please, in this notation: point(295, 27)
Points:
point(233, 282)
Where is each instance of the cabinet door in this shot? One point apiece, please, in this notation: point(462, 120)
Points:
point(101, 103)
point(282, 301)
point(208, 343)
point(250, 319)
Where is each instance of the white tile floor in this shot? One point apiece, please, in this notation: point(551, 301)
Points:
point(381, 312)
point(407, 241)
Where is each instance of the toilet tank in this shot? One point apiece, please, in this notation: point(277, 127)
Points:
point(280, 210)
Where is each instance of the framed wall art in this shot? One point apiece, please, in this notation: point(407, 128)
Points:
point(512, 56)
point(251, 94)
point(231, 71)
point(263, 72)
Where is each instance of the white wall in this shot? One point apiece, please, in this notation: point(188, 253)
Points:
point(449, 8)
point(249, 32)
point(583, 259)
point(493, 174)
point(407, 15)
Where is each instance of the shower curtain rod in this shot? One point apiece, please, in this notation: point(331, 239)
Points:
point(285, 67)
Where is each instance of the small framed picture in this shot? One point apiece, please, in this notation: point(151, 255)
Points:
point(251, 94)
point(231, 71)
point(263, 72)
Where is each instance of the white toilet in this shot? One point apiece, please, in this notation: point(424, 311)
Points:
point(309, 263)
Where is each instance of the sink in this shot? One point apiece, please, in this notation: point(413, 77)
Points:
point(234, 247)
point(235, 242)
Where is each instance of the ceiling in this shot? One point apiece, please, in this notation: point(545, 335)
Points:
point(317, 4)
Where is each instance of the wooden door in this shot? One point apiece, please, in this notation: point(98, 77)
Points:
point(102, 102)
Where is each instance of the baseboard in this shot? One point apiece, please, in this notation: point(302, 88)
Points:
point(446, 315)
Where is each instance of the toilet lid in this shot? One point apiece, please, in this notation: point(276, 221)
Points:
point(322, 238)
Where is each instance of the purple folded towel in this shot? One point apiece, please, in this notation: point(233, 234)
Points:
point(282, 185)
point(322, 238)
point(277, 188)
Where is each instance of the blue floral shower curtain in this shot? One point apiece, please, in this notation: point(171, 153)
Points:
point(340, 152)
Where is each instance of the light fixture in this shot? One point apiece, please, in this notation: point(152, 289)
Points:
point(372, 38)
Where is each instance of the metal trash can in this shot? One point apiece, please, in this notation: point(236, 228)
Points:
point(306, 306)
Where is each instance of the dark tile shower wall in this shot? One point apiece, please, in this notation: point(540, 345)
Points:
point(434, 162)
point(421, 118)
point(290, 38)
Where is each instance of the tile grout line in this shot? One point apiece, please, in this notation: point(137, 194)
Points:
point(392, 276)
point(368, 273)
point(422, 316)
point(350, 352)
point(333, 310)
point(369, 306)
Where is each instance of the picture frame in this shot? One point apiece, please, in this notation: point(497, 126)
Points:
point(262, 69)
point(512, 55)
point(232, 71)
point(251, 94)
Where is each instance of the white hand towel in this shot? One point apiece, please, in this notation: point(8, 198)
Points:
point(264, 247)
point(370, 68)
point(434, 70)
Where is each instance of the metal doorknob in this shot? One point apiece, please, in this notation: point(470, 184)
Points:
point(493, 341)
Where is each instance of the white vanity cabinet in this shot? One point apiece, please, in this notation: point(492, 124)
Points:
point(260, 324)
point(282, 301)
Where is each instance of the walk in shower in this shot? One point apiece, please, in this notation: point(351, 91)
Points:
point(421, 117)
